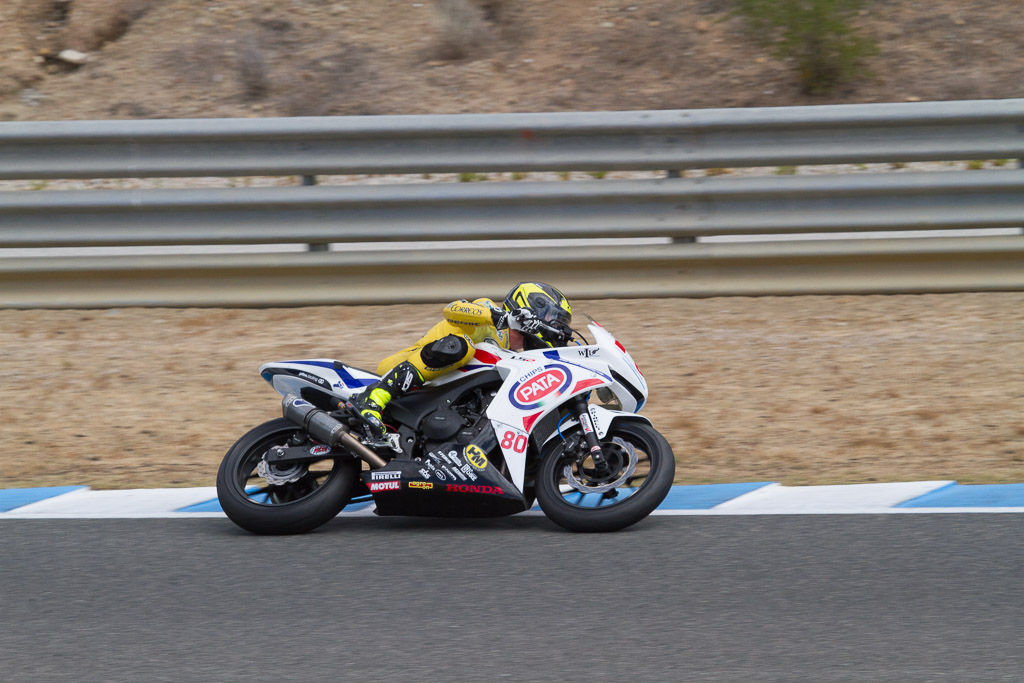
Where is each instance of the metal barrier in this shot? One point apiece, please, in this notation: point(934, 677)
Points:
point(489, 211)
point(598, 141)
point(679, 208)
point(676, 270)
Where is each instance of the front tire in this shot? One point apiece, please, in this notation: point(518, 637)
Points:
point(573, 497)
point(314, 496)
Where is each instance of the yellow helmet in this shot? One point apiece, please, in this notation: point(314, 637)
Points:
point(545, 302)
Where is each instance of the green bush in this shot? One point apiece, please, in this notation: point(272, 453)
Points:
point(816, 34)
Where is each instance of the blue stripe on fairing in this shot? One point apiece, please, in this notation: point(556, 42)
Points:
point(11, 499)
point(553, 355)
point(351, 381)
point(345, 376)
point(970, 496)
point(467, 368)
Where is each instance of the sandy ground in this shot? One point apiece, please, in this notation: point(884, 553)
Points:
point(234, 58)
point(801, 390)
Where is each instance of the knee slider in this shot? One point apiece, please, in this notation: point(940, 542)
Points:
point(444, 352)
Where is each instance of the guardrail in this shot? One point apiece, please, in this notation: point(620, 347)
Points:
point(490, 211)
point(680, 208)
point(597, 141)
point(692, 270)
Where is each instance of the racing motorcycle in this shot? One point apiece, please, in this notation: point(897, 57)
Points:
point(557, 426)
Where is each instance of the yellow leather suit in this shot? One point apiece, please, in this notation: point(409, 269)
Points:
point(471, 321)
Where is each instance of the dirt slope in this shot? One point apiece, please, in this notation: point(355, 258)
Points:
point(185, 58)
point(798, 389)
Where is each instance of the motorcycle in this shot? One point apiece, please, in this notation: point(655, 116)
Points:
point(506, 430)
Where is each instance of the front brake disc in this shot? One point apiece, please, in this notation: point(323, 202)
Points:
point(582, 487)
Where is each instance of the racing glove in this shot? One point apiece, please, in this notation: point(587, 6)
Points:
point(524, 320)
point(515, 320)
point(499, 317)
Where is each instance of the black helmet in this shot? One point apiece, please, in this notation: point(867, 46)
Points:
point(545, 302)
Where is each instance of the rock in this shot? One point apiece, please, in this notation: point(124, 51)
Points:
point(703, 25)
point(30, 97)
point(91, 23)
point(73, 57)
point(913, 98)
point(654, 23)
point(606, 24)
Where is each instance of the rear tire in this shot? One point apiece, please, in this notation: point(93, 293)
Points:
point(291, 508)
point(610, 513)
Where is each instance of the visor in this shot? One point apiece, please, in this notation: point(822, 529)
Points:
point(548, 311)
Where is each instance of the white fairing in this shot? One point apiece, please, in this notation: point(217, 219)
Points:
point(535, 384)
point(290, 377)
point(538, 382)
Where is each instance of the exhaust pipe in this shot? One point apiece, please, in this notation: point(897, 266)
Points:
point(325, 429)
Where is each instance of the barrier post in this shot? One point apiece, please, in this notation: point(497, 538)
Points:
point(309, 180)
point(679, 239)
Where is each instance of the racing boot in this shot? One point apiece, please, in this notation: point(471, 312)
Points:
point(369, 405)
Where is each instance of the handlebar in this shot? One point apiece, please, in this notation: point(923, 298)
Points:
point(554, 334)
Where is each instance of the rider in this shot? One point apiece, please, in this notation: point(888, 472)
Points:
point(533, 315)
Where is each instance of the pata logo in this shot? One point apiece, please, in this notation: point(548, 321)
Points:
point(550, 382)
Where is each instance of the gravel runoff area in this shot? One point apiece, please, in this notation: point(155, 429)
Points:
point(800, 390)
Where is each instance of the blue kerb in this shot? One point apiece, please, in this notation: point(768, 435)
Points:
point(693, 497)
point(970, 496)
point(591, 500)
point(11, 499)
point(706, 496)
point(205, 506)
point(214, 506)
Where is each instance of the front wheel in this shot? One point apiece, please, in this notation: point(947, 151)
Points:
point(292, 499)
point(641, 468)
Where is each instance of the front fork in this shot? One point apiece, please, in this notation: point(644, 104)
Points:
point(590, 435)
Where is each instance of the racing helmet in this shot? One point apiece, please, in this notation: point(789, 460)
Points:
point(548, 304)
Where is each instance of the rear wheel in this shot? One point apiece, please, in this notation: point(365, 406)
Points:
point(574, 495)
point(288, 499)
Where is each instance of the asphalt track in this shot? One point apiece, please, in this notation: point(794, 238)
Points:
point(752, 598)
